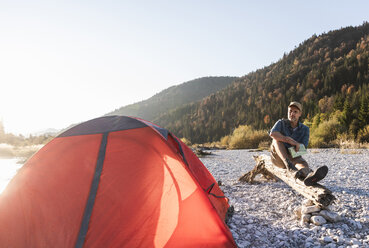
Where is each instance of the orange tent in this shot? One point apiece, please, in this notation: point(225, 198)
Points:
point(114, 181)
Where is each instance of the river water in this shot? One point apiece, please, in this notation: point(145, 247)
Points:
point(8, 169)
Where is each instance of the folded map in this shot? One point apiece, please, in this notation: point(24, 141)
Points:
point(301, 151)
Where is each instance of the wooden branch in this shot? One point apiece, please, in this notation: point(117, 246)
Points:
point(320, 195)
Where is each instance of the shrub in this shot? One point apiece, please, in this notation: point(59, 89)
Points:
point(363, 134)
point(186, 141)
point(224, 141)
point(325, 133)
point(317, 142)
point(245, 137)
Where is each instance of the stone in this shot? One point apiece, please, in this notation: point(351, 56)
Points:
point(330, 216)
point(327, 239)
point(309, 239)
point(345, 227)
point(305, 217)
point(304, 224)
point(347, 241)
point(297, 212)
point(318, 220)
point(281, 237)
point(308, 245)
point(235, 235)
point(339, 239)
point(354, 241)
point(310, 209)
point(330, 245)
point(244, 244)
point(316, 229)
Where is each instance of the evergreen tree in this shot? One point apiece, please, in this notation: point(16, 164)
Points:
point(363, 115)
point(346, 116)
point(338, 103)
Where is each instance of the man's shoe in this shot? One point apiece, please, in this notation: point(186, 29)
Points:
point(302, 173)
point(316, 176)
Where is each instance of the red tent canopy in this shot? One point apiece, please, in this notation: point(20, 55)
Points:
point(114, 181)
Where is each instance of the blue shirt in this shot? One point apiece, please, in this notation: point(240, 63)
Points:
point(300, 133)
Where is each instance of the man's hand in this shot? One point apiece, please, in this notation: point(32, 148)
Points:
point(294, 143)
point(297, 147)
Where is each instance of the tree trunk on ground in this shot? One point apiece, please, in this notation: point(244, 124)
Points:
point(320, 195)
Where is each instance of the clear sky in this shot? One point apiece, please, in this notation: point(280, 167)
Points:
point(63, 62)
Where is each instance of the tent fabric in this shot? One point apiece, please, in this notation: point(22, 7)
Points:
point(114, 181)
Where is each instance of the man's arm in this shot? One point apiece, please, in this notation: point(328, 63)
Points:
point(280, 137)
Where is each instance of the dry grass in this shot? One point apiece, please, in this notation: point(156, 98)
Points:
point(314, 150)
point(351, 147)
point(349, 151)
point(351, 144)
point(212, 145)
point(264, 145)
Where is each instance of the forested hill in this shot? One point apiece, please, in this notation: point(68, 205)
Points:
point(175, 97)
point(328, 74)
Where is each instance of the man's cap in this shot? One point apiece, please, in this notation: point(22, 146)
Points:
point(296, 104)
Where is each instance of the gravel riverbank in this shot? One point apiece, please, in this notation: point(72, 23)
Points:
point(264, 217)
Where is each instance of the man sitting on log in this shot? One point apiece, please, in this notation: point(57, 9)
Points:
point(288, 133)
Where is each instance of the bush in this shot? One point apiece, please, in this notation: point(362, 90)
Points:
point(186, 141)
point(317, 142)
point(363, 135)
point(325, 133)
point(224, 141)
point(245, 137)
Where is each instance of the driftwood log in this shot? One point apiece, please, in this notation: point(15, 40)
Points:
point(202, 152)
point(320, 195)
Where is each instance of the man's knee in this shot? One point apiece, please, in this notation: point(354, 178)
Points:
point(276, 160)
point(275, 142)
point(279, 147)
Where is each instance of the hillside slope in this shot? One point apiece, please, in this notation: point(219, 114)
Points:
point(174, 97)
point(326, 73)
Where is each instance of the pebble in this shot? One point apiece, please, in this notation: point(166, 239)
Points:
point(330, 216)
point(310, 209)
point(327, 239)
point(264, 213)
point(318, 220)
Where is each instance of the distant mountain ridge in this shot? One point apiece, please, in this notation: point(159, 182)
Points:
point(328, 74)
point(174, 97)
